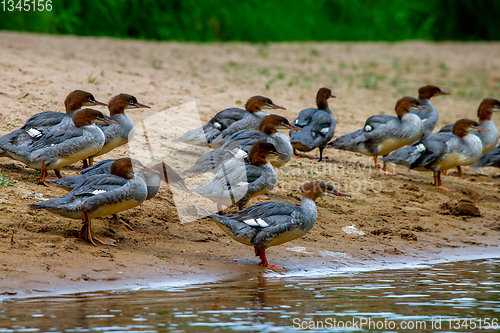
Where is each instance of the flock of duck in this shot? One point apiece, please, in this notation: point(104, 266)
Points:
point(246, 145)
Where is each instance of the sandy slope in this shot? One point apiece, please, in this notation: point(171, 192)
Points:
point(403, 217)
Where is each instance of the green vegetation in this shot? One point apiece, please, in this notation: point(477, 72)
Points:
point(4, 181)
point(272, 20)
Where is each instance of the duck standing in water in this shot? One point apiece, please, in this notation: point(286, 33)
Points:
point(383, 133)
point(318, 126)
point(273, 223)
point(240, 180)
point(101, 195)
point(230, 121)
point(240, 143)
point(64, 145)
point(41, 123)
point(441, 151)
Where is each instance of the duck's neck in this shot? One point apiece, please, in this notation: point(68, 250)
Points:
point(488, 138)
point(282, 144)
point(426, 102)
point(309, 213)
point(259, 114)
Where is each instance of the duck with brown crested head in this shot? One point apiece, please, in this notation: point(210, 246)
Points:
point(383, 133)
point(488, 138)
point(239, 144)
point(441, 151)
point(152, 179)
point(318, 125)
point(166, 174)
point(239, 180)
point(230, 121)
point(273, 223)
point(429, 118)
point(41, 123)
point(64, 145)
point(120, 133)
point(101, 195)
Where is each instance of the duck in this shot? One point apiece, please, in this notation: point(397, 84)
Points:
point(491, 158)
point(63, 145)
point(441, 151)
point(273, 223)
point(429, 118)
point(488, 138)
point(118, 134)
point(383, 133)
point(240, 180)
point(318, 126)
point(152, 180)
point(229, 121)
point(41, 123)
point(101, 195)
point(239, 144)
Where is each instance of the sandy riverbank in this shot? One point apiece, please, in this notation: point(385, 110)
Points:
point(404, 218)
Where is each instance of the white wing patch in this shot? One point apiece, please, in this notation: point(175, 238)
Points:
point(262, 223)
point(240, 153)
point(217, 125)
point(256, 223)
point(98, 191)
point(33, 132)
point(325, 130)
point(424, 119)
point(368, 128)
point(420, 147)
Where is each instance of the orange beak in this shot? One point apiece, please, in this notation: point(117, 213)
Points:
point(482, 129)
point(109, 121)
point(293, 127)
point(444, 93)
point(274, 106)
point(145, 169)
point(140, 105)
point(99, 103)
point(279, 154)
point(424, 109)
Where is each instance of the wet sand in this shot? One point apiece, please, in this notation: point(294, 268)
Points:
point(404, 219)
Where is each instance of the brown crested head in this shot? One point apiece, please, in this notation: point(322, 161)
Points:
point(462, 127)
point(88, 116)
point(258, 103)
point(260, 151)
point(407, 104)
point(487, 107)
point(78, 99)
point(272, 123)
point(126, 167)
point(316, 188)
point(119, 103)
point(169, 176)
point(428, 91)
point(322, 98)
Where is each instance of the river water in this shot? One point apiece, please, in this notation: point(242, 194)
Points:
point(462, 296)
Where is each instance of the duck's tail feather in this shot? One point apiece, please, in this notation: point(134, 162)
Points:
point(349, 141)
point(201, 136)
point(207, 162)
point(67, 183)
point(404, 156)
